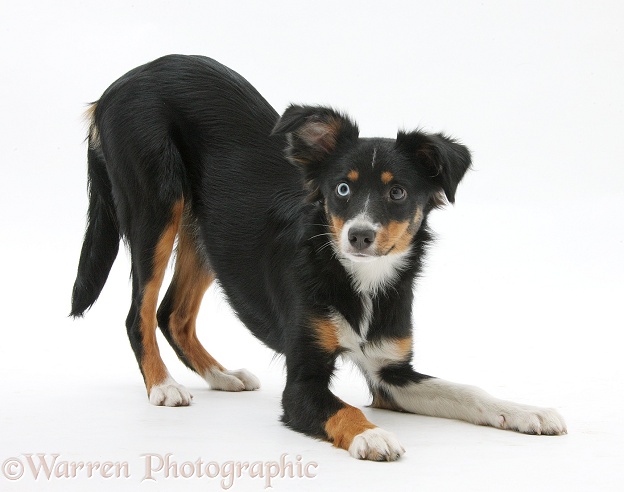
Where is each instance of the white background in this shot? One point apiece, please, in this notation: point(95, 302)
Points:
point(521, 295)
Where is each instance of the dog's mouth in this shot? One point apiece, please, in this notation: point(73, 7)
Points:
point(365, 256)
point(360, 257)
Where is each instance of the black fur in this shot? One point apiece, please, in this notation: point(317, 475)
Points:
point(101, 241)
point(186, 127)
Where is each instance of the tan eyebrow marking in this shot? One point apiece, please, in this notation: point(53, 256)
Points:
point(386, 177)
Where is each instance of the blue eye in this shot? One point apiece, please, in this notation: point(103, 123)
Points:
point(343, 190)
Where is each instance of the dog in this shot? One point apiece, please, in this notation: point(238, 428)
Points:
point(315, 235)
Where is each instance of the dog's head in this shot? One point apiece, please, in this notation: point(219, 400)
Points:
point(376, 192)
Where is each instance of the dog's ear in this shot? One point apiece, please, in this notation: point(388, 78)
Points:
point(314, 132)
point(439, 158)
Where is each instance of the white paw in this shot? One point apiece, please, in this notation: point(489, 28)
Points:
point(376, 445)
point(530, 420)
point(170, 394)
point(238, 380)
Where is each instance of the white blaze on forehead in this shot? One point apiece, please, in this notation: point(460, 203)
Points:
point(374, 157)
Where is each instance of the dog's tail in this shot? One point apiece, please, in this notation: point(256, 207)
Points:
point(101, 240)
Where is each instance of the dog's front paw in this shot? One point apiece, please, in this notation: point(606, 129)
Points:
point(531, 420)
point(170, 394)
point(376, 445)
point(238, 380)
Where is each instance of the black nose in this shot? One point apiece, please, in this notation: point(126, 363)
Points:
point(361, 238)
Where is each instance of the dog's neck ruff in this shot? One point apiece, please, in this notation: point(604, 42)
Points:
point(371, 277)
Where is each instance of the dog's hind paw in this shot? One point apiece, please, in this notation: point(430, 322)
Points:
point(238, 380)
point(376, 445)
point(170, 394)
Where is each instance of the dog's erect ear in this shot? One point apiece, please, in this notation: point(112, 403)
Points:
point(440, 158)
point(314, 132)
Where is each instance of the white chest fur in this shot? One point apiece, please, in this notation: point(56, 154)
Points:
point(371, 276)
point(369, 356)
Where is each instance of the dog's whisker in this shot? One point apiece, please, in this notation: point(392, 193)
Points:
point(329, 234)
point(325, 246)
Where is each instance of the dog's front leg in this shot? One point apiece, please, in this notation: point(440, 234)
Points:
point(401, 388)
point(310, 407)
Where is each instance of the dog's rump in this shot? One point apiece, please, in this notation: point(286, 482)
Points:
point(194, 101)
point(187, 127)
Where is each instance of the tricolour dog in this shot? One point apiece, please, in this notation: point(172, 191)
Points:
point(315, 235)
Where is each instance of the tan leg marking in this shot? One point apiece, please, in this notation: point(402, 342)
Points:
point(326, 335)
point(349, 429)
point(191, 279)
point(345, 424)
point(154, 370)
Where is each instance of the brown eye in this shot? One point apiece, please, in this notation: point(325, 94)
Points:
point(397, 193)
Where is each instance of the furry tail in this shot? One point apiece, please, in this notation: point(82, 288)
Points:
point(101, 240)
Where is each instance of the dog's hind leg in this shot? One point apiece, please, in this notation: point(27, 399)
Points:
point(151, 246)
point(177, 314)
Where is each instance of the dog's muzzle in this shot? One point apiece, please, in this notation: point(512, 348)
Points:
point(361, 239)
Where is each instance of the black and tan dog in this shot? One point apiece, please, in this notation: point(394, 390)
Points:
point(316, 246)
